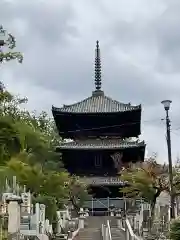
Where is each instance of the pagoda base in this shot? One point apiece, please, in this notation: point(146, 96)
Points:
point(104, 199)
point(105, 191)
point(104, 206)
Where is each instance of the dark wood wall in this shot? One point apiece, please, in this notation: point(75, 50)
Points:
point(84, 163)
point(126, 124)
point(97, 162)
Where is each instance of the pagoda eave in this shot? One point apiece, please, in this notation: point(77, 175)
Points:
point(67, 112)
point(123, 124)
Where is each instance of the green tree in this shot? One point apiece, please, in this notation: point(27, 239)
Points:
point(38, 145)
point(175, 229)
point(12, 105)
point(10, 143)
point(31, 176)
point(78, 192)
point(4, 174)
point(8, 41)
point(51, 206)
point(28, 143)
point(146, 181)
point(36, 133)
point(45, 186)
point(47, 130)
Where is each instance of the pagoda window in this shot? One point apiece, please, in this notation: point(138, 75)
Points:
point(98, 161)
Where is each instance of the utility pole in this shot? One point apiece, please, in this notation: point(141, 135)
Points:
point(166, 104)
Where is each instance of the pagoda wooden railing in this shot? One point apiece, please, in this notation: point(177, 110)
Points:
point(102, 181)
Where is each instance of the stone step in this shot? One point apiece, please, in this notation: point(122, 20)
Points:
point(89, 234)
point(97, 221)
point(113, 222)
point(117, 234)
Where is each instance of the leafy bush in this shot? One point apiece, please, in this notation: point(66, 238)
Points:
point(175, 230)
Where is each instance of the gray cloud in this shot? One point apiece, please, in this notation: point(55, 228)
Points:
point(168, 38)
point(139, 47)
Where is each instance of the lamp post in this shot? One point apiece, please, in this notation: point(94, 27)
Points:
point(2, 43)
point(166, 104)
point(2, 36)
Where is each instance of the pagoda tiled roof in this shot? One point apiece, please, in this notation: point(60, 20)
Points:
point(101, 144)
point(97, 103)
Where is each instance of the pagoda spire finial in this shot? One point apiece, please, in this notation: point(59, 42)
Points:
point(97, 67)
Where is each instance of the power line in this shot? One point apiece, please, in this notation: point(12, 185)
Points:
point(109, 126)
point(178, 128)
point(175, 133)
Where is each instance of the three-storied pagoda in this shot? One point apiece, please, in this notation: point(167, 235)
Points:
point(101, 130)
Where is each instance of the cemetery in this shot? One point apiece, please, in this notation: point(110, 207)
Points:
point(20, 219)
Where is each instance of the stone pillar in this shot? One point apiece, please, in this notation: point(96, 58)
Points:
point(112, 210)
point(26, 205)
point(145, 233)
point(42, 209)
point(14, 213)
point(50, 229)
point(136, 222)
point(59, 222)
point(86, 210)
point(119, 218)
point(106, 233)
point(176, 210)
point(64, 218)
point(112, 214)
point(47, 225)
point(37, 210)
point(81, 218)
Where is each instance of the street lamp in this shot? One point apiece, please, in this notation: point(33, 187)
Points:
point(2, 36)
point(167, 104)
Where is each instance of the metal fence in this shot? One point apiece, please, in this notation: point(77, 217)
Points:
point(107, 205)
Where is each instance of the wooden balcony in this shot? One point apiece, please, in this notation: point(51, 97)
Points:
point(98, 181)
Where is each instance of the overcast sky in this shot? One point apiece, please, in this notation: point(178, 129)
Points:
point(140, 49)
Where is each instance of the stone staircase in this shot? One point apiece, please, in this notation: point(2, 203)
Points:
point(113, 222)
point(89, 234)
point(117, 234)
point(95, 221)
point(92, 230)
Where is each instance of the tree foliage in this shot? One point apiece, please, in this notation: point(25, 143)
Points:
point(8, 44)
point(77, 192)
point(35, 133)
point(9, 140)
point(175, 230)
point(147, 181)
point(28, 142)
point(51, 206)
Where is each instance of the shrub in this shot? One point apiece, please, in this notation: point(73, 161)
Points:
point(175, 230)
